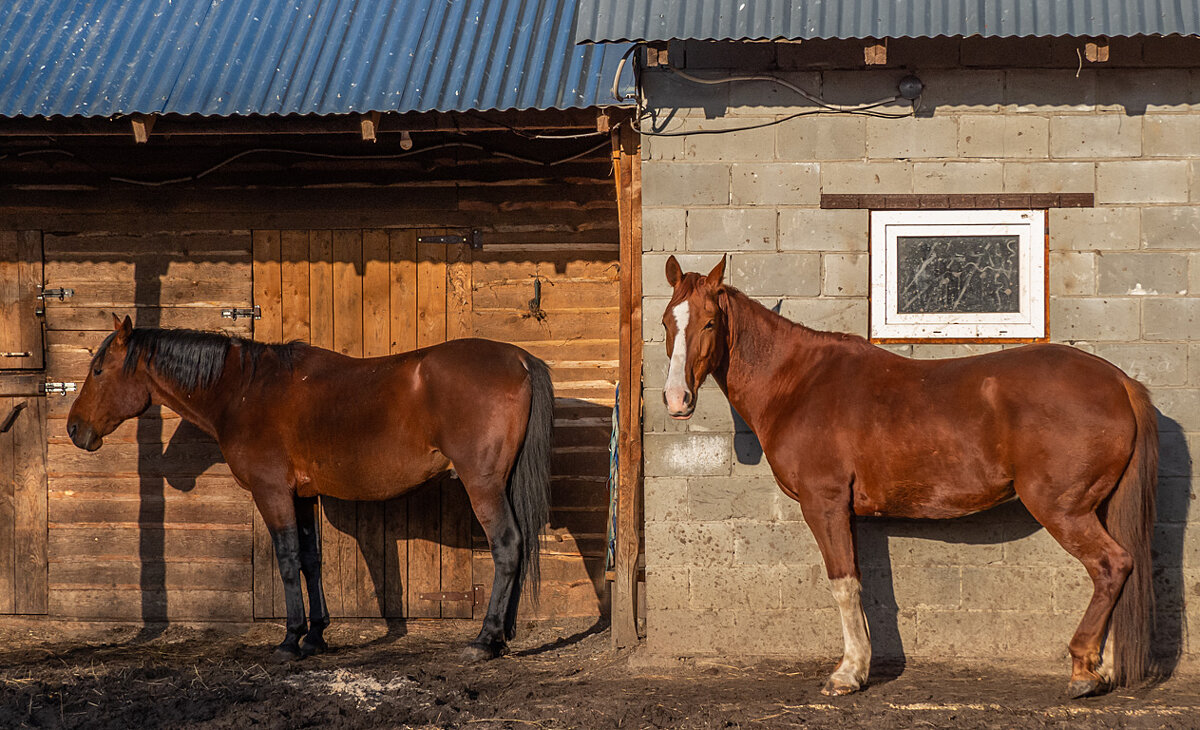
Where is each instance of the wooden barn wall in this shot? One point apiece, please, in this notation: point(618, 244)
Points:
point(152, 526)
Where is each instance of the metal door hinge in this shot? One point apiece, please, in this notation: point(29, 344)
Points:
point(235, 313)
point(475, 596)
point(58, 388)
point(475, 238)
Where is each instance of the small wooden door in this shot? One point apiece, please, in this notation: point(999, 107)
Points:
point(22, 427)
point(367, 293)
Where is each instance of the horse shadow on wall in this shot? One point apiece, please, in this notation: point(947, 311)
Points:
point(997, 533)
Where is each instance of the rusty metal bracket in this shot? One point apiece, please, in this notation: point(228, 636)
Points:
point(475, 238)
point(11, 418)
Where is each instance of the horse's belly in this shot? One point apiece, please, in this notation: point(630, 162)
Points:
point(929, 499)
point(367, 478)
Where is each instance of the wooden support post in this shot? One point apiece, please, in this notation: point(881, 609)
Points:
point(370, 126)
point(142, 124)
point(627, 172)
point(875, 52)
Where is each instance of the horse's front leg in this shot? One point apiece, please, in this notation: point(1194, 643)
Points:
point(279, 513)
point(831, 525)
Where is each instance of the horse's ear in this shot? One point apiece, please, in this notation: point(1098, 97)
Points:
point(717, 274)
point(122, 328)
point(674, 273)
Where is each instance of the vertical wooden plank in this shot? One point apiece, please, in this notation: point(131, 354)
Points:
point(376, 341)
point(321, 329)
point(295, 308)
point(456, 507)
point(10, 296)
point(626, 158)
point(30, 508)
point(267, 285)
point(431, 293)
point(402, 313)
point(8, 519)
point(29, 325)
point(348, 340)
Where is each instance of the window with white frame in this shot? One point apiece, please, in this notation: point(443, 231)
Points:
point(958, 274)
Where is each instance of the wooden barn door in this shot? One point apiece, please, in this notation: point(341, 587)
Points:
point(22, 427)
point(367, 293)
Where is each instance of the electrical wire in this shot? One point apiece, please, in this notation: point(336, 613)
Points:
point(522, 133)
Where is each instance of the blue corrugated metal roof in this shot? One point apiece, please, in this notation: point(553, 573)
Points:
point(226, 57)
point(661, 20)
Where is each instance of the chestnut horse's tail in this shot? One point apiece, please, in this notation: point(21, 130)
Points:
point(1130, 520)
point(529, 485)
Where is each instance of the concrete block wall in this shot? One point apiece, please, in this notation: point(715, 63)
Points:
point(731, 566)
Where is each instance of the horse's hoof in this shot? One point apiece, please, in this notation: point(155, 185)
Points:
point(475, 653)
point(837, 688)
point(1083, 688)
point(312, 647)
point(285, 654)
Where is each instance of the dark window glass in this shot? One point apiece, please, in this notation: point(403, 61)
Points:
point(971, 274)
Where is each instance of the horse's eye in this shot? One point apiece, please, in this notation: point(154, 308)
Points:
point(96, 372)
point(709, 325)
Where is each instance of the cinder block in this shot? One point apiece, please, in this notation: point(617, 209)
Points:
point(1087, 318)
point(958, 177)
point(1153, 364)
point(774, 543)
point(665, 499)
point(786, 632)
point(912, 137)
point(1072, 589)
point(1170, 318)
point(731, 229)
point(824, 230)
point(1181, 405)
point(925, 586)
point(1105, 135)
point(1007, 587)
point(666, 588)
point(1193, 363)
point(652, 331)
point(1045, 91)
point(683, 184)
point(1171, 135)
point(1133, 92)
point(1175, 498)
point(690, 454)
point(732, 498)
point(654, 273)
point(769, 97)
point(678, 544)
point(843, 314)
point(940, 543)
point(737, 144)
point(747, 587)
point(778, 183)
point(1142, 274)
point(959, 91)
point(1194, 172)
point(663, 229)
point(1090, 229)
point(682, 632)
point(1050, 177)
point(670, 95)
point(1022, 547)
point(1006, 136)
point(846, 275)
point(990, 634)
point(1171, 227)
point(712, 411)
point(938, 351)
point(1142, 181)
point(822, 137)
point(805, 587)
point(1072, 273)
point(855, 88)
point(662, 148)
point(866, 177)
point(776, 274)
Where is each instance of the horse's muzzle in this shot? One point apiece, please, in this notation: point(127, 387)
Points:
point(688, 402)
point(84, 436)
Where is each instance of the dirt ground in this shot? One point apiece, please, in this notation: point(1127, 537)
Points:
point(559, 675)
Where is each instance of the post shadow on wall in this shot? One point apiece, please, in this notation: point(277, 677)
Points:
point(1005, 523)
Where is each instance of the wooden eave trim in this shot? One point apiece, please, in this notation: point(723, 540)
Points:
point(978, 201)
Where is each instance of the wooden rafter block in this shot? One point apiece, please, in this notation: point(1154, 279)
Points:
point(875, 53)
point(370, 126)
point(142, 124)
point(1096, 50)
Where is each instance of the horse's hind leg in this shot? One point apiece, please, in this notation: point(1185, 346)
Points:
point(310, 565)
point(496, 516)
point(1108, 565)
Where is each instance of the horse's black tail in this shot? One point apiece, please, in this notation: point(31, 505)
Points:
point(529, 485)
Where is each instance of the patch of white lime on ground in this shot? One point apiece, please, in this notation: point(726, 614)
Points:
point(366, 691)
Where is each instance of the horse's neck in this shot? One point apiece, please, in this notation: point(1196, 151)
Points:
point(762, 353)
point(204, 407)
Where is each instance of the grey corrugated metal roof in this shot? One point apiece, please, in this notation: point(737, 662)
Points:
point(661, 20)
point(226, 57)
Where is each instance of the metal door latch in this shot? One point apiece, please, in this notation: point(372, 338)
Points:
point(58, 388)
point(16, 354)
point(236, 313)
point(475, 238)
point(475, 596)
point(59, 294)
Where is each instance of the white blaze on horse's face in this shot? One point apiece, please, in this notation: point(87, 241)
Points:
point(677, 394)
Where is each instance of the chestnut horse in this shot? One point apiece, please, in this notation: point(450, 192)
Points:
point(852, 429)
point(295, 421)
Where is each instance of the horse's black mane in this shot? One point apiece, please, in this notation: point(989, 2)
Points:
point(193, 359)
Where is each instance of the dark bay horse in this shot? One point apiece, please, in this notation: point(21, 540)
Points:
point(295, 421)
point(852, 429)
